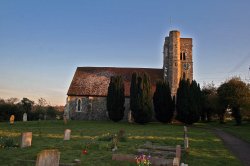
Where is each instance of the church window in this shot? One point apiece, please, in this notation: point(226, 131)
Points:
point(79, 103)
point(184, 76)
point(184, 56)
point(181, 56)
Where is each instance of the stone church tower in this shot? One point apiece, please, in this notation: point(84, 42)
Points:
point(177, 60)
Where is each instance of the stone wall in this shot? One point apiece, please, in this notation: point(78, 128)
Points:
point(92, 108)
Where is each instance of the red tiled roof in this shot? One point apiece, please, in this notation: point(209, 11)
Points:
point(94, 81)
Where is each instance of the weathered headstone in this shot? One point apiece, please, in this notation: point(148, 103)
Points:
point(130, 117)
point(183, 164)
point(178, 152)
point(12, 119)
point(48, 158)
point(176, 161)
point(26, 139)
point(25, 117)
point(67, 133)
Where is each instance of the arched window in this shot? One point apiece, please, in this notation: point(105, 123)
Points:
point(184, 56)
point(181, 56)
point(79, 103)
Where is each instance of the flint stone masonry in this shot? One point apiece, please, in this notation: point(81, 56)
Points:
point(92, 109)
point(48, 158)
point(26, 139)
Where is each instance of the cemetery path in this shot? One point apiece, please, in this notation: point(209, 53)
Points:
point(240, 148)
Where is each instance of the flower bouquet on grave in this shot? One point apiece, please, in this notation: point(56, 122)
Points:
point(143, 160)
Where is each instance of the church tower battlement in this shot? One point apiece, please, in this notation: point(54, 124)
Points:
point(177, 60)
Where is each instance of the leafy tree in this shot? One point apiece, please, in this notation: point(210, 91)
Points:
point(234, 94)
point(188, 102)
point(116, 99)
point(51, 112)
point(27, 106)
point(163, 103)
point(210, 102)
point(140, 98)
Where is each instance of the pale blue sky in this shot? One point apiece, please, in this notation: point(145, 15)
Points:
point(42, 42)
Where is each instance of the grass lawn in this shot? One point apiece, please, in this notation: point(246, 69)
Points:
point(205, 148)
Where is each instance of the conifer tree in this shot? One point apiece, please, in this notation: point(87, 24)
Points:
point(188, 102)
point(116, 99)
point(163, 103)
point(140, 98)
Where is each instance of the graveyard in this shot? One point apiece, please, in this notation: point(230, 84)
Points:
point(109, 143)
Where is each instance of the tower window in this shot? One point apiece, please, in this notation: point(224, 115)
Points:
point(181, 56)
point(184, 56)
point(184, 76)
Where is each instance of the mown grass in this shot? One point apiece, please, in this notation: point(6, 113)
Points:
point(205, 148)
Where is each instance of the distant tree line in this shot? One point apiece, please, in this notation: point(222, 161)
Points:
point(35, 111)
point(190, 105)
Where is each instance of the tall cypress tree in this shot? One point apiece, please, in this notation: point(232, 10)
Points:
point(116, 99)
point(140, 98)
point(163, 103)
point(188, 102)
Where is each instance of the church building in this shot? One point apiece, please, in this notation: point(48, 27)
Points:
point(89, 87)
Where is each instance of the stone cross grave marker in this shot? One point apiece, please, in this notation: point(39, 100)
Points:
point(26, 139)
point(25, 117)
point(67, 133)
point(185, 132)
point(48, 158)
point(186, 144)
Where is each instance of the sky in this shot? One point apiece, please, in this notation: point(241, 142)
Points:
point(43, 42)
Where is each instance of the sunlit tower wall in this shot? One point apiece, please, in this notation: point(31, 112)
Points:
point(177, 60)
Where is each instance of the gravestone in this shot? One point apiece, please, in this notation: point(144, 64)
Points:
point(130, 117)
point(186, 144)
point(12, 119)
point(183, 164)
point(26, 139)
point(25, 117)
point(48, 158)
point(178, 152)
point(67, 133)
point(176, 161)
point(185, 132)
